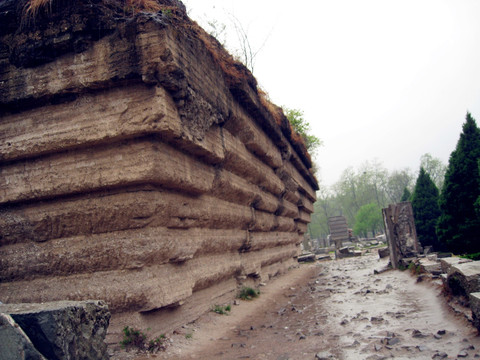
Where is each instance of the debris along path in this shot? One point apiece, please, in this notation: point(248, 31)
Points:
point(339, 309)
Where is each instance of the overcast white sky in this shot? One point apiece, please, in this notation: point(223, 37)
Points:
point(376, 79)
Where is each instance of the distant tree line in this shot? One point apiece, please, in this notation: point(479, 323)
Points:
point(445, 199)
point(361, 193)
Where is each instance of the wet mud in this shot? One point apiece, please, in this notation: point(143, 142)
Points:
point(339, 310)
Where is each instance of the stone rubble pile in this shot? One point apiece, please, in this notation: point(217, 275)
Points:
point(459, 276)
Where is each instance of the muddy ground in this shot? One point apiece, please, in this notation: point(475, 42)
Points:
point(338, 309)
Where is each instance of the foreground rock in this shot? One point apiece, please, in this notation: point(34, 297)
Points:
point(464, 278)
point(140, 165)
point(57, 330)
point(14, 343)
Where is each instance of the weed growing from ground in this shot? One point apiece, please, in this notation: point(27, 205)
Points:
point(222, 310)
point(136, 339)
point(415, 269)
point(247, 293)
point(188, 335)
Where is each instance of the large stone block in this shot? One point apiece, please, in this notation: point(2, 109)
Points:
point(65, 329)
point(464, 278)
point(447, 263)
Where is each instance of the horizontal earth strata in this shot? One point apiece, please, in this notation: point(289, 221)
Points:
point(144, 169)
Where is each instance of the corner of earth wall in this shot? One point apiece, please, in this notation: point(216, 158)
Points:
point(140, 166)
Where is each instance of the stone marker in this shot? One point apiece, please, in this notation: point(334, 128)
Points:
point(401, 232)
point(338, 231)
point(63, 329)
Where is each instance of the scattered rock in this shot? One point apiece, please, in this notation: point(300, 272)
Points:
point(324, 355)
point(419, 334)
point(462, 354)
point(377, 347)
point(383, 252)
point(393, 341)
point(422, 348)
point(441, 332)
point(440, 355)
point(307, 257)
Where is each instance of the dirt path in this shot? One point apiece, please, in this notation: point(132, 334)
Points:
point(338, 308)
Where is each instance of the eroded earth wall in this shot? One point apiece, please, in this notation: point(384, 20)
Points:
point(139, 164)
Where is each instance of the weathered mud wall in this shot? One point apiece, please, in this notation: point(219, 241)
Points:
point(139, 165)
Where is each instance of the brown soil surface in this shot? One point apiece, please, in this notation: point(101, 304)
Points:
point(337, 308)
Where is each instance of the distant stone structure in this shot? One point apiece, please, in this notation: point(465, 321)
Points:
point(400, 231)
point(338, 231)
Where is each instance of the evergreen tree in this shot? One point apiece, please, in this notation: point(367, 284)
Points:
point(426, 209)
point(458, 226)
point(406, 195)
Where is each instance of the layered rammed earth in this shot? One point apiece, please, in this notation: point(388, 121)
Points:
point(139, 165)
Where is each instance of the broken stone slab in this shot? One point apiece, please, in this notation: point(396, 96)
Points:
point(64, 329)
point(345, 250)
point(430, 266)
point(383, 252)
point(447, 263)
point(324, 355)
point(464, 278)
point(14, 343)
point(307, 257)
point(323, 257)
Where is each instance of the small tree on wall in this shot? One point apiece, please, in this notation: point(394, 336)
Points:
point(426, 210)
point(302, 127)
point(459, 226)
